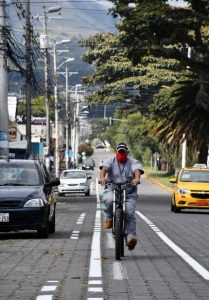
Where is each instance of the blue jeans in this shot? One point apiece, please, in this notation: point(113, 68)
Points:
point(130, 210)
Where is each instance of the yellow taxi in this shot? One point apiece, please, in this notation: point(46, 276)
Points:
point(190, 189)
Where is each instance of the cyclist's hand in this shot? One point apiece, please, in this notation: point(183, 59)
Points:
point(102, 181)
point(135, 181)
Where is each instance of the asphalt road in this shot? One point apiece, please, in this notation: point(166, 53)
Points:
point(170, 261)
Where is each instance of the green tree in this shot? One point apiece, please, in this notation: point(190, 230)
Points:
point(156, 28)
point(152, 37)
point(115, 76)
point(87, 148)
point(37, 106)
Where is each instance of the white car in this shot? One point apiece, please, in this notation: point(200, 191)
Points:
point(74, 181)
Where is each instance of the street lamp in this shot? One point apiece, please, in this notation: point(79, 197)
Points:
point(76, 125)
point(44, 44)
point(56, 105)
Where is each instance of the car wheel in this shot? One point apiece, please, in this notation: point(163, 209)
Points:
point(52, 224)
point(87, 193)
point(61, 194)
point(172, 206)
point(176, 209)
point(43, 232)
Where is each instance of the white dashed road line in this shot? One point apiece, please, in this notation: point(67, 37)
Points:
point(186, 257)
point(50, 287)
point(81, 219)
point(95, 268)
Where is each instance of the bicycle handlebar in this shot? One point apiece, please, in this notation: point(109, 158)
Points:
point(119, 183)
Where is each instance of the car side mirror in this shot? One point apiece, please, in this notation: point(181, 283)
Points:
point(89, 177)
point(54, 182)
point(173, 180)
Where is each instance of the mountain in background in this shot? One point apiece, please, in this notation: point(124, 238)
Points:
point(77, 20)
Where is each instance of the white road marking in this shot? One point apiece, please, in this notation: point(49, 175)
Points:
point(74, 235)
point(95, 289)
point(95, 268)
point(95, 298)
point(186, 257)
point(44, 297)
point(95, 281)
point(48, 288)
point(81, 219)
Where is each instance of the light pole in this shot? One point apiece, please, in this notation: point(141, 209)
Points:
point(45, 45)
point(67, 116)
point(4, 138)
point(76, 125)
point(56, 156)
point(66, 75)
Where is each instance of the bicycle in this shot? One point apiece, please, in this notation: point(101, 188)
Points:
point(119, 217)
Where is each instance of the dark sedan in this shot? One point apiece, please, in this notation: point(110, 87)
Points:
point(27, 197)
point(88, 164)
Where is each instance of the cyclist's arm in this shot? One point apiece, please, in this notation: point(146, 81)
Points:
point(137, 176)
point(103, 173)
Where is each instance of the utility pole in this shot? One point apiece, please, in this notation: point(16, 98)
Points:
point(44, 44)
point(66, 75)
point(56, 156)
point(28, 77)
point(67, 120)
point(46, 92)
point(4, 116)
point(56, 112)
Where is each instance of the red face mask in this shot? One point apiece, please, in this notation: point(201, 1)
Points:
point(121, 157)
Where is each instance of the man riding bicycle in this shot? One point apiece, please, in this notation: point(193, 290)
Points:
point(121, 169)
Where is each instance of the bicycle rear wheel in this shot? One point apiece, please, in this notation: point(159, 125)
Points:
point(113, 226)
point(119, 242)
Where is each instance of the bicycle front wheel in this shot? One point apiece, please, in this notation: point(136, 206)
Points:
point(118, 233)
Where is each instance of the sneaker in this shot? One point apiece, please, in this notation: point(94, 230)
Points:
point(107, 224)
point(132, 241)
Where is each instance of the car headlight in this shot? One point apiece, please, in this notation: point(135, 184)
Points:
point(38, 202)
point(83, 183)
point(182, 191)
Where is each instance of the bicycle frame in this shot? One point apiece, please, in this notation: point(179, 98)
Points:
point(119, 198)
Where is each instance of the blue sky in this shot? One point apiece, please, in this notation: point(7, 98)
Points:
point(177, 3)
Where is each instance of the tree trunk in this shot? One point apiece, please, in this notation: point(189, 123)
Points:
point(203, 153)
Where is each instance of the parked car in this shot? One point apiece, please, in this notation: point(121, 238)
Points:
point(100, 146)
point(190, 189)
point(74, 181)
point(27, 197)
point(88, 164)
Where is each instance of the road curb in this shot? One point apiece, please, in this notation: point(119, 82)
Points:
point(159, 184)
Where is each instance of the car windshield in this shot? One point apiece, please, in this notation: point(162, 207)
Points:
point(195, 176)
point(73, 174)
point(18, 174)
